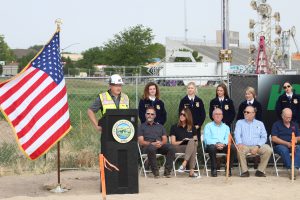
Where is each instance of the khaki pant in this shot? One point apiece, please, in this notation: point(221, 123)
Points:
point(264, 152)
point(190, 151)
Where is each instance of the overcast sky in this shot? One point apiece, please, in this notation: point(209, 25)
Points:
point(93, 22)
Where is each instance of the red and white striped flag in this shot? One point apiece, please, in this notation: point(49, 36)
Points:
point(35, 102)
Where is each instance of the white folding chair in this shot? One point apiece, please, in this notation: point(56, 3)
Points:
point(276, 156)
point(144, 158)
point(181, 156)
point(206, 156)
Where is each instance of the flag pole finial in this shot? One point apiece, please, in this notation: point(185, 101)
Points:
point(58, 22)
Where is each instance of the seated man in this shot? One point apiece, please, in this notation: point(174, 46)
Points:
point(216, 139)
point(282, 136)
point(153, 139)
point(250, 137)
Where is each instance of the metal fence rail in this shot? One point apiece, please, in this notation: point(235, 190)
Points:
point(81, 146)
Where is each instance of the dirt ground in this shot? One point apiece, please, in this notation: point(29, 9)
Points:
point(85, 185)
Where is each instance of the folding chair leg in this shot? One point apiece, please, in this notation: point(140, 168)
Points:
point(205, 165)
point(197, 164)
point(174, 169)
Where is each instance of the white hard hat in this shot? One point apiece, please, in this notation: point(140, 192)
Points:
point(116, 79)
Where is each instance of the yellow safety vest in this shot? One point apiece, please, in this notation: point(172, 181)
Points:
point(108, 102)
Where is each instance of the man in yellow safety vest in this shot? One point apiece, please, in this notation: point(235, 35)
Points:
point(112, 99)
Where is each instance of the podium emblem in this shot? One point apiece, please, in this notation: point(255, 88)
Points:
point(123, 131)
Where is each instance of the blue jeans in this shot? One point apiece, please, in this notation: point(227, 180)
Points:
point(284, 152)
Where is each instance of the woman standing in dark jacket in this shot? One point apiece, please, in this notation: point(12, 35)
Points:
point(223, 102)
point(250, 96)
point(151, 98)
point(195, 104)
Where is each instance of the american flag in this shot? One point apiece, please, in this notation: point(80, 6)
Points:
point(35, 102)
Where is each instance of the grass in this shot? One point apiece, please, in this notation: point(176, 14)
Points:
point(81, 146)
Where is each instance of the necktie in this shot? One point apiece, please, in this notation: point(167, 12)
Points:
point(192, 102)
point(289, 97)
point(249, 103)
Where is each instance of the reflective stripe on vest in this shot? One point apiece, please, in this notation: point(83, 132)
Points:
point(108, 102)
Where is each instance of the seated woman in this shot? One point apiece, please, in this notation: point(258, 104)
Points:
point(184, 139)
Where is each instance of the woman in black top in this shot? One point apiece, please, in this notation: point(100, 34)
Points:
point(184, 139)
point(195, 104)
point(250, 96)
point(151, 98)
point(223, 102)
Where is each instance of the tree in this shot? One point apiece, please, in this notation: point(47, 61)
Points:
point(131, 47)
point(157, 50)
point(25, 60)
point(5, 52)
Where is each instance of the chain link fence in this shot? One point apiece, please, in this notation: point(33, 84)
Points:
point(80, 148)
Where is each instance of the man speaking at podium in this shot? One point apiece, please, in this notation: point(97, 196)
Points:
point(112, 99)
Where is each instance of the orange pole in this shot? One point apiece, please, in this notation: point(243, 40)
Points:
point(293, 155)
point(102, 176)
point(228, 155)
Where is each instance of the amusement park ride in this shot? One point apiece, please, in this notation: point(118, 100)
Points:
point(269, 48)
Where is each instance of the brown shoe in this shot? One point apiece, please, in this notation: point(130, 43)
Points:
point(245, 174)
point(259, 174)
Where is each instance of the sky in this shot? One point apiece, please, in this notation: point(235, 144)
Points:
point(91, 23)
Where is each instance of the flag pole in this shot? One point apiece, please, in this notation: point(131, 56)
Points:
point(58, 188)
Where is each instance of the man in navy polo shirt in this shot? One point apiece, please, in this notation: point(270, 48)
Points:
point(282, 136)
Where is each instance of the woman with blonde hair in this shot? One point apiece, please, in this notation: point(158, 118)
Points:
point(151, 97)
point(184, 139)
point(195, 104)
point(250, 97)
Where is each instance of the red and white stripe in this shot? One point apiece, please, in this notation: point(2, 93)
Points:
point(38, 110)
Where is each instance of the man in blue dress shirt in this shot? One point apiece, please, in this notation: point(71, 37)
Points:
point(216, 139)
point(251, 137)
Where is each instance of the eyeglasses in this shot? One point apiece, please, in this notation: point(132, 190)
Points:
point(152, 114)
point(182, 114)
point(286, 86)
point(247, 112)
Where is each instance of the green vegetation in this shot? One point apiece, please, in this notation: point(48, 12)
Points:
point(81, 146)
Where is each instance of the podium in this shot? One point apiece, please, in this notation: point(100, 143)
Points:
point(119, 146)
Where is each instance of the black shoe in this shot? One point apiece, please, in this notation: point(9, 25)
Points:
point(245, 174)
point(155, 173)
point(259, 174)
point(256, 160)
point(167, 173)
point(214, 173)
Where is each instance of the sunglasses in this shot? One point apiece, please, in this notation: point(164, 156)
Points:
point(182, 114)
point(247, 112)
point(152, 114)
point(287, 86)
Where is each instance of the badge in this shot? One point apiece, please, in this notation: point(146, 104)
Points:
point(158, 107)
point(197, 104)
point(226, 107)
point(146, 105)
point(295, 101)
